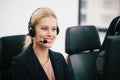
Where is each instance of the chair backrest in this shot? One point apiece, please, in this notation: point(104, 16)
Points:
point(10, 46)
point(112, 60)
point(81, 41)
point(113, 30)
point(81, 38)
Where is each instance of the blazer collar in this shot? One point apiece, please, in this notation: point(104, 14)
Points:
point(35, 65)
point(55, 63)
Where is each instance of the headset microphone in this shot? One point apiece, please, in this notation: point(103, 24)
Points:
point(43, 41)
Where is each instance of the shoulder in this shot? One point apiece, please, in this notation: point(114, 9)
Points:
point(19, 58)
point(23, 56)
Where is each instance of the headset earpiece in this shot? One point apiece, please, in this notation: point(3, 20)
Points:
point(31, 31)
point(58, 30)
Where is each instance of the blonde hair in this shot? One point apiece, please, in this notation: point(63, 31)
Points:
point(34, 19)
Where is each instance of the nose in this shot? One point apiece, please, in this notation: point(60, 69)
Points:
point(50, 32)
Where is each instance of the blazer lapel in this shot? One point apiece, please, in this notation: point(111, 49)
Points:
point(35, 65)
point(55, 64)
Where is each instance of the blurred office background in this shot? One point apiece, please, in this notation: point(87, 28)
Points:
point(15, 15)
point(99, 13)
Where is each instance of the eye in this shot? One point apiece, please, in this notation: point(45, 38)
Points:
point(54, 29)
point(44, 29)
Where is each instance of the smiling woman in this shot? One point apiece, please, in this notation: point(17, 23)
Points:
point(38, 61)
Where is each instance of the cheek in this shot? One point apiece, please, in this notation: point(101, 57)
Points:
point(55, 36)
point(39, 35)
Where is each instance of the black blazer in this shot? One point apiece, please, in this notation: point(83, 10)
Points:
point(27, 67)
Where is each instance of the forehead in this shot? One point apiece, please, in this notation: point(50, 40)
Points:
point(48, 21)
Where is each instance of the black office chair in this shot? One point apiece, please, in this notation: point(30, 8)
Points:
point(113, 30)
point(112, 58)
point(10, 46)
point(112, 54)
point(82, 45)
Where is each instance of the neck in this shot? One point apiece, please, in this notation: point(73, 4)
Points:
point(41, 53)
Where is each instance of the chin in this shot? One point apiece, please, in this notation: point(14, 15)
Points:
point(48, 46)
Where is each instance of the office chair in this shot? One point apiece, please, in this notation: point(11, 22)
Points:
point(82, 45)
point(112, 53)
point(112, 58)
point(10, 46)
point(113, 30)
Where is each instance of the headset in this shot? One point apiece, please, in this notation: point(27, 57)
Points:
point(31, 28)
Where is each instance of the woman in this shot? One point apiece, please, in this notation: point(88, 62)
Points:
point(37, 61)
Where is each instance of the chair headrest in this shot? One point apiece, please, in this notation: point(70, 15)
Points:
point(81, 38)
point(113, 29)
point(10, 46)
